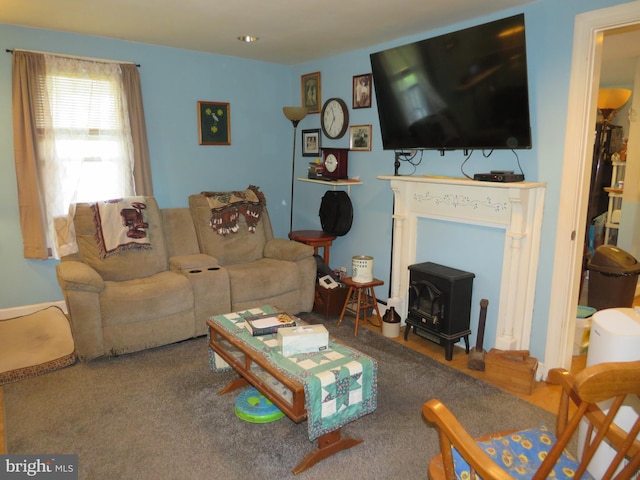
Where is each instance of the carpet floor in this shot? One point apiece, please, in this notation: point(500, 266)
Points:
point(156, 415)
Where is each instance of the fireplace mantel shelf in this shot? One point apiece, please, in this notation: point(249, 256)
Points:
point(515, 208)
point(466, 182)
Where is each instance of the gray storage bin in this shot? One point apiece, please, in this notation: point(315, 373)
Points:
point(613, 275)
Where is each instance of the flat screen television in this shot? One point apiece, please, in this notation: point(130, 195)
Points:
point(462, 90)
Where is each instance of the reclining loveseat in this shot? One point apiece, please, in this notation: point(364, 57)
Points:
point(145, 276)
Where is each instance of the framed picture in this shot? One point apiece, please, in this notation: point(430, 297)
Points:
point(214, 125)
point(362, 90)
point(360, 137)
point(311, 143)
point(311, 92)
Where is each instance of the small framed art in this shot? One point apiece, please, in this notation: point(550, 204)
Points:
point(311, 92)
point(360, 137)
point(214, 125)
point(362, 90)
point(311, 143)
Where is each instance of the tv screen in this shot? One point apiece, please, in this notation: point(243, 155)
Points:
point(462, 90)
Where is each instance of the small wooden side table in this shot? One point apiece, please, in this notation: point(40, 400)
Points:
point(358, 296)
point(315, 239)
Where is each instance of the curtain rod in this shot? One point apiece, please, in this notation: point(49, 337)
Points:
point(102, 60)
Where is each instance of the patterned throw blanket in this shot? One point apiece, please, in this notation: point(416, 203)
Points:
point(226, 208)
point(340, 384)
point(120, 225)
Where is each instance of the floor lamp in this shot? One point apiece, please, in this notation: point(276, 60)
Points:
point(295, 114)
point(610, 100)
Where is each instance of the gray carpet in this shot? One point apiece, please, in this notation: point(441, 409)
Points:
point(156, 415)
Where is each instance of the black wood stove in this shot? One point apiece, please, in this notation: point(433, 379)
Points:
point(439, 304)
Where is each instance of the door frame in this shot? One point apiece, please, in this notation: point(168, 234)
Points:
point(588, 36)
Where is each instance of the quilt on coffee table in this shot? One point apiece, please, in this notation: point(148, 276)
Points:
point(340, 384)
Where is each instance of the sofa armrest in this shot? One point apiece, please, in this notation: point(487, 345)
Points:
point(194, 262)
point(81, 286)
point(73, 275)
point(281, 249)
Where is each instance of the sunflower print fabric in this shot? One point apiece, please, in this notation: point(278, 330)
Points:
point(521, 454)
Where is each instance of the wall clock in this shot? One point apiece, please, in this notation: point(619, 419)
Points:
point(335, 118)
point(335, 163)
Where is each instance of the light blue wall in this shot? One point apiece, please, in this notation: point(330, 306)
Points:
point(549, 48)
point(174, 80)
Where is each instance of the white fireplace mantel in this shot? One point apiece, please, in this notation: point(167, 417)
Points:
point(515, 208)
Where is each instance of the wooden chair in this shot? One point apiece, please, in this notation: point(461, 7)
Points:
point(609, 384)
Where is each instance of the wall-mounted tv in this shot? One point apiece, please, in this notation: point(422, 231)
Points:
point(462, 90)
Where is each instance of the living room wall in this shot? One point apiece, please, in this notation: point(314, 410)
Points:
point(549, 48)
point(174, 80)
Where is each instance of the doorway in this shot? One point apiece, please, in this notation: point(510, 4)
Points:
point(589, 32)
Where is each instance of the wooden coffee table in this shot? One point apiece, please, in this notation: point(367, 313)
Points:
point(278, 378)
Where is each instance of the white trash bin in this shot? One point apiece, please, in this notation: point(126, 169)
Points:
point(615, 337)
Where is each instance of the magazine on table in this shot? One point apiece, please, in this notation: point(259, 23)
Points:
point(267, 324)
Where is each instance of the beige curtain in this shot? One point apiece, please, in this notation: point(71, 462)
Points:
point(37, 172)
point(28, 71)
point(142, 163)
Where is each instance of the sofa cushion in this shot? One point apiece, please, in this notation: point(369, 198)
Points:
point(239, 247)
point(521, 455)
point(144, 299)
point(262, 278)
point(127, 264)
point(179, 232)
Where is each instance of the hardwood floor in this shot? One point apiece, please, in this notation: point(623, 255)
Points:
point(544, 395)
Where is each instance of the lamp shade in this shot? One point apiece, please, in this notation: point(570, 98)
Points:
point(295, 114)
point(612, 98)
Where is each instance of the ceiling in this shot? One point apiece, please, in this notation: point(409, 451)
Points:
point(620, 49)
point(290, 31)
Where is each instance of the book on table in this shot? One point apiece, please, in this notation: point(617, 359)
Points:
point(268, 324)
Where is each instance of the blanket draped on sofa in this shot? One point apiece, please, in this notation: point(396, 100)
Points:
point(226, 208)
point(120, 225)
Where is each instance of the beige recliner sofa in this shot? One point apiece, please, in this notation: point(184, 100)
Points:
point(164, 290)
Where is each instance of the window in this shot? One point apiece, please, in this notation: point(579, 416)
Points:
point(93, 147)
point(83, 139)
point(86, 134)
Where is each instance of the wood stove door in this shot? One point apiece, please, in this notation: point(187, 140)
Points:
point(426, 302)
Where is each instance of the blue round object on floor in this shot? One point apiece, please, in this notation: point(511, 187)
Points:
point(252, 406)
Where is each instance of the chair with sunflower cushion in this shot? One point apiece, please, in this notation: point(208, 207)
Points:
point(594, 400)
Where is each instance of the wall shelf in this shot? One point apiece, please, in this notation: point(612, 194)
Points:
point(334, 184)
